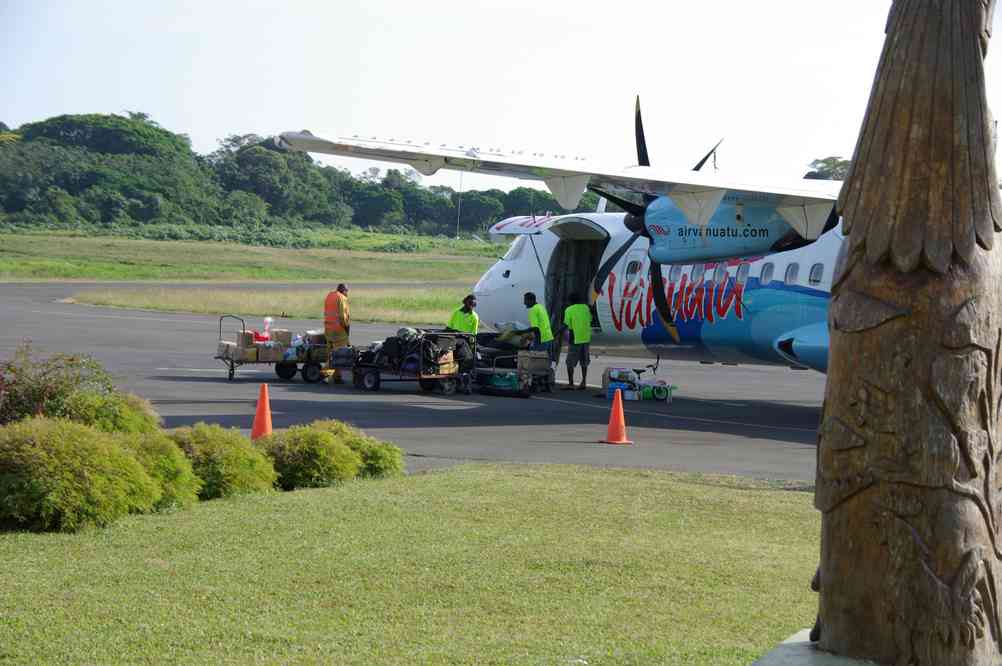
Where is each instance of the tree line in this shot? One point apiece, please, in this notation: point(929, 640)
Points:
point(127, 174)
point(120, 171)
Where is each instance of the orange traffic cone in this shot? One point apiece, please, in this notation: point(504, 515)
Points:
point(617, 422)
point(262, 417)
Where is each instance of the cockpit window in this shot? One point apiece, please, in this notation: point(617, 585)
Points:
point(515, 250)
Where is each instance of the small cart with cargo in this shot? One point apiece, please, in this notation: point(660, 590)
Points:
point(436, 360)
point(305, 354)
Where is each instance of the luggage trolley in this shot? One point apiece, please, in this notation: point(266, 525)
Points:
point(245, 351)
point(372, 368)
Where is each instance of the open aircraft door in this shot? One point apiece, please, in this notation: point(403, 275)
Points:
point(569, 265)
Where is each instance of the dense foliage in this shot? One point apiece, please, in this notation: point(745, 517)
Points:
point(226, 461)
point(62, 476)
point(306, 457)
point(34, 386)
point(167, 465)
point(123, 175)
point(379, 459)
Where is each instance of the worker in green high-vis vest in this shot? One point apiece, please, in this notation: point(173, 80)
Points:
point(464, 319)
point(577, 319)
point(539, 326)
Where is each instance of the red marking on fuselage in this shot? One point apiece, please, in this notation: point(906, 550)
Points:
point(687, 300)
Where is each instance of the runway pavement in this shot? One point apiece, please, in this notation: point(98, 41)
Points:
point(745, 420)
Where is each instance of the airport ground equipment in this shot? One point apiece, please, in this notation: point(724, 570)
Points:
point(414, 361)
point(520, 374)
point(307, 358)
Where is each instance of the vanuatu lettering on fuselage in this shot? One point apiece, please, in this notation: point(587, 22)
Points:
point(689, 300)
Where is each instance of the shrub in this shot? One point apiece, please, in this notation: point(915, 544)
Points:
point(225, 461)
point(379, 459)
point(306, 457)
point(110, 411)
point(32, 386)
point(166, 464)
point(60, 475)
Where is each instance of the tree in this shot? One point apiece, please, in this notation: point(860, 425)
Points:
point(4, 128)
point(829, 168)
point(477, 211)
point(377, 206)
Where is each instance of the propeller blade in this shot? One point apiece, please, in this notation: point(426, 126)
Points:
point(661, 302)
point(606, 269)
point(629, 206)
point(642, 158)
point(699, 165)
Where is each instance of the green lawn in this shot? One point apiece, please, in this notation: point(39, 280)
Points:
point(60, 257)
point(478, 564)
point(397, 304)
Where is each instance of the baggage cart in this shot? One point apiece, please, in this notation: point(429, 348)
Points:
point(308, 359)
point(373, 368)
point(529, 373)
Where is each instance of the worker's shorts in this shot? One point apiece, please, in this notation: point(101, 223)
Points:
point(579, 354)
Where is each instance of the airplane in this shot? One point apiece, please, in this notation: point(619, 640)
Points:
point(705, 269)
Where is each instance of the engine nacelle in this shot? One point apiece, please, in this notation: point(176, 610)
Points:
point(734, 230)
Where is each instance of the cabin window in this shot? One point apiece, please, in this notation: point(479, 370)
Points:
point(791, 273)
point(720, 274)
point(675, 274)
point(766, 275)
point(817, 272)
point(742, 276)
point(632, 269)
point(515, 249)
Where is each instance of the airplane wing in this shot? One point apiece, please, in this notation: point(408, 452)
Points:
point(804, 205)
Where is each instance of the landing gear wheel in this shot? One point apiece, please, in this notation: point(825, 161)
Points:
point(448, 386)
point(311, 373)
point(427, 384)
point(231, 372)
point(285, 370)
point(370, 380)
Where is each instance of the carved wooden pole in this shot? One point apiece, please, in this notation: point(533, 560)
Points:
point(909, 474)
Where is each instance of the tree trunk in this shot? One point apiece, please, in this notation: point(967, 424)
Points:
point(908, 471)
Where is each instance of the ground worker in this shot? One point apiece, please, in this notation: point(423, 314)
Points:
point(337, 323)
point(464, 319)
point(539, 326)
point(577, 319)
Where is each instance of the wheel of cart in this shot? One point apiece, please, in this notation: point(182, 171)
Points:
point(448, 386)
point(311, 372)
point(286, 370)
point(370, 380)
point(428, 385)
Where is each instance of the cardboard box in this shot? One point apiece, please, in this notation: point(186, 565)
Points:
point(316, 338)
point(447, 357)
point(448, 368)
point(226, 349)
point(245, 354)
point(282, 336)
point(269, 352)
point(245, 339)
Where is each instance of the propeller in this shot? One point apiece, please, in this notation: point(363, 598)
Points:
point(634, 221)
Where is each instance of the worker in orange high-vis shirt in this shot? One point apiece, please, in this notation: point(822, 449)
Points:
point(337, 322)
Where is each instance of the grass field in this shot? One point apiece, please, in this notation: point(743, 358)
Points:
point(398, 305)
point(478, 564)
point(56, 257)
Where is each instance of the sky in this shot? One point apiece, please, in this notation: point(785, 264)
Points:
point(782, 81)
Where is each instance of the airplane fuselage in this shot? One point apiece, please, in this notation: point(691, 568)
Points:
point(768, 310)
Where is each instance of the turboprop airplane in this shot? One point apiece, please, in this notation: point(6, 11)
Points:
point(705, 269)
